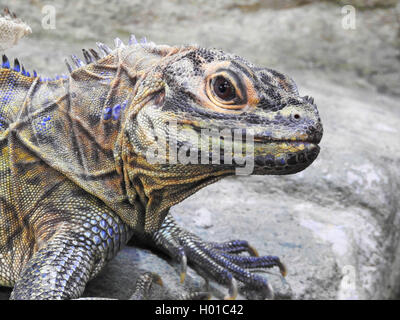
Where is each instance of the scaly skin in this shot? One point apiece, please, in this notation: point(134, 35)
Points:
point(75, 181)
point(11, 30)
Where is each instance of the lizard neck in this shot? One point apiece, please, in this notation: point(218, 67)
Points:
point(101, 97)
point(101, 93)
point(67, 123)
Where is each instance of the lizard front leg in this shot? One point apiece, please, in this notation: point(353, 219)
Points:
point(84, 235)
point(218, 261)
point(60, 270)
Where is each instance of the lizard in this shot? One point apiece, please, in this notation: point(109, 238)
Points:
point(76, 182)
point(11, 29)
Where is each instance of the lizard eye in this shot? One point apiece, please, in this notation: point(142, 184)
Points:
point(223, 88)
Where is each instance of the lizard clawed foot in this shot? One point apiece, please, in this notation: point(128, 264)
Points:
point(146, 280)
point(218, 261)
point(231, 249)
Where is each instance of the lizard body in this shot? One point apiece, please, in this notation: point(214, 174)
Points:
point(75, 180)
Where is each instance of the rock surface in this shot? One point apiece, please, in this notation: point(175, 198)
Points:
point(336, 225)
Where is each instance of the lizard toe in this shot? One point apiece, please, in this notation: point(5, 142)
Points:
point(235, 246)
point(143, 285)
point(219, 262)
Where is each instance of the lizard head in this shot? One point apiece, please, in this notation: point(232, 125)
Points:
point(176, 119)
point(207, 96)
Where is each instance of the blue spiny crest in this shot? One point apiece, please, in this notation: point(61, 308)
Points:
point(19, 68)
point(6, 63)
point(90, 56)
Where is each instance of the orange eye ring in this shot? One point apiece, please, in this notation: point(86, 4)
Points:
point(223, 90)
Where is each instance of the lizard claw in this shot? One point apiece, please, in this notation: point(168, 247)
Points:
point(269, 292)
point(236, 246)
point(183, 268)
point(157, 279)
point(253, 251)
point(282, 269)
point(233, 290)
point(221, 262)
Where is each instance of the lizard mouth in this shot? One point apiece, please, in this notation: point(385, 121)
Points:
point(283, 156)
point(274, 155)
point(265, 138)
point(270, 155)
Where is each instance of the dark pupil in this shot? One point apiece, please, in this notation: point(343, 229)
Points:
point(223, 88)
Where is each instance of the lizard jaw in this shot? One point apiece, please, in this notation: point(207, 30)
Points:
point(284, 157)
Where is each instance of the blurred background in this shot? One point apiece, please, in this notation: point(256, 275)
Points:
point(284, 34)
point(337, 224)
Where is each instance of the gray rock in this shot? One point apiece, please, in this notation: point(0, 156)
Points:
point(202, 218)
